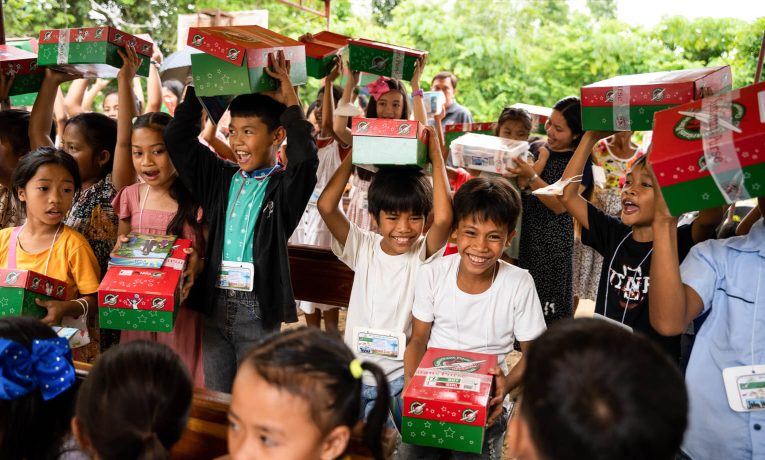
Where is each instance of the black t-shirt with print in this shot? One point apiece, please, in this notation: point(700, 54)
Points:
point(627, 279)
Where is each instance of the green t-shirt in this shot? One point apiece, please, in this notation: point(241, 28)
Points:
point(245, 196)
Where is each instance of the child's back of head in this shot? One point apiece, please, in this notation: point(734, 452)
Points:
point(265, 108)
point(99, 134)
point(397, 189)
point(37, 390)
point(487, 199)
point(14, 127)
point(135, 402)
point(593, 390)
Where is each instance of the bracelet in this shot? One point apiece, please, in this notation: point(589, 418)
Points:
point(418, 92)
point(84, 304)
point(533, 178)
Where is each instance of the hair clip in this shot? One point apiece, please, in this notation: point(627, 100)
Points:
point(356, 370)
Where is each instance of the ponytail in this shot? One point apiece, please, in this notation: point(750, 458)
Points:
point(375, 425)
point(187, 211)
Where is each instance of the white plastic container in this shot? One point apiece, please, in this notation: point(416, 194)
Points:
point(487, 153)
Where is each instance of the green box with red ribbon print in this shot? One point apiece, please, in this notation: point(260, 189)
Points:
point(91, 51)
point(383, 59)
point(19, 288)
point(143, 299)
point(711, 152)
point(235, 57)
point(447, 402)
point(628, 102)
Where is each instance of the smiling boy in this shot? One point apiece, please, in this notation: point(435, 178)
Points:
point(251, 209)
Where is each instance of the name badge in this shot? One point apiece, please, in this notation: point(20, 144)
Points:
point(236, 276)
point(378, 342)
point(612, 321)
point(745, 387)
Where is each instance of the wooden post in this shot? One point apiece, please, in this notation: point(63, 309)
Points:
point(2, 25)
point(758, 71)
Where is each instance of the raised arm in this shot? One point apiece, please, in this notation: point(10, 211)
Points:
point(329, 201)
point(328, 101)
point(73, 99)
point(154, 83)
point(6, 82)
point(442, 201)
point(41, 119)
point(572, 199)
point(526, 172)
point(90, 95)
point(123, 172)
point(339, 122)
point(704, 226)
point(418, 105)
point(746, 224)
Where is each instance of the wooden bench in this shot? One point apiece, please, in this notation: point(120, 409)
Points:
point(318, 276)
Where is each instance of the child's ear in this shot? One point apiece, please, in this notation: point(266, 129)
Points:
point(510, 237)
point(21, 193)
point(453, 236)
point(103, 158)
point(335, 443)
point(78, 436)
point(278, 136)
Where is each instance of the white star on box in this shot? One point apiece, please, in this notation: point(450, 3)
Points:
point(413, 434)
point(427, 424)
point(747, 175)
point(449, 432)
point(410, 424)
point(422, 433)
point(441, 440)
point(3, 303)
point(705, 196)
point(755, 186)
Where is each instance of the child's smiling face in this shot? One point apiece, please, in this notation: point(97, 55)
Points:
point(480, 244)
point(400, 230)
point(252, 143)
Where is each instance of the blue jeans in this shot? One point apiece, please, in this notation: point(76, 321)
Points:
point(369, 395)
point(228, 334)
point(492, 446)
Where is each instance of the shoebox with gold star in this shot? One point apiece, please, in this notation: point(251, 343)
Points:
point(20, 288)
point(628, 102)
point(381, 141)
point(447, 402)
point(143, 299)
point(383, 59)
point(22, 66)
point(711, 152)
point(91, 51)
point(235, 57)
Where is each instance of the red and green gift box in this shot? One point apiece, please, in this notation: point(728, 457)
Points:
point(20, 288)
point(452, 132)
point(235, 57)
point(711, 152)
point(142, 299)
point(383, 59)
point(382, 141)
point(628, 102)
point(447, 402)
point(22, 65)
point(539, 116)
point(321, 50)
point(90, 51)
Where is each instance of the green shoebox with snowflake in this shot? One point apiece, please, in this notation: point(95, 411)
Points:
point(447, 402)
point(235, 57)
point(91, 51)
point(20, 288)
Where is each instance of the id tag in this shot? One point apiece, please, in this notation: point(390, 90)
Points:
point(745, 387)
point(614, 322)
point(236, 276)
point(377, 342)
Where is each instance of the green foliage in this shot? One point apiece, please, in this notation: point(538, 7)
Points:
point(602, 9)
point(382, 11)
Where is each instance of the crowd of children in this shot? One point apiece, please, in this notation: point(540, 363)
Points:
point(525, 246)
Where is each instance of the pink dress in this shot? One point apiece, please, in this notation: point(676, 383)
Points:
point(186, 337)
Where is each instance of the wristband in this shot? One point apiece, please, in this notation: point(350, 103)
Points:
point(418, 92)
point(533, 178)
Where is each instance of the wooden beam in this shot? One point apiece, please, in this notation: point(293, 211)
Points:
point(2, 24)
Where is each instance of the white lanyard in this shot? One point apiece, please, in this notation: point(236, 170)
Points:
point(50, 249)
point(608, 277)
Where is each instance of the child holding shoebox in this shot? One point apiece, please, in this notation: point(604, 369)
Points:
point(473, 301)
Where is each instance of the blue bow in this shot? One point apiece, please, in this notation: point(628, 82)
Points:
point(48, 367)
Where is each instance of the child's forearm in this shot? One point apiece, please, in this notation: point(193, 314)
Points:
point(74, 97)
point(123, 172)
point(339, 122)
point(514, 377)
point(666, 293)
point(442, 202)
point(704, 226)
point(153, 90)
point(330, 199)
point(415, 350)
point(327, 109)
point(746, 224)
point(577, 163)
point(41, 118)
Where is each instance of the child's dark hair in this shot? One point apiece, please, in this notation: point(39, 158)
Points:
point(268, 110)
point(187, 206)
point(487, 199)
point(100, 134)
point(571, 109)
point(516, 114)
point(337, 93)
point(394, 85)
point(30, 427)
point(14, 125)
point(29, 164)
point(135, 402)
point(316, 367)
point(400, 189)
point(175, 86)
point(593, 390)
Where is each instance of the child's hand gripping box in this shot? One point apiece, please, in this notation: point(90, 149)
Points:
point(628, 102)
point(19, 289)
point(383, 59)
point(380, 141)
point(90, 52)
point(447, 402)
point(321, 50)
point(452, 132)
point(235, 57)
point(487, 153)
point(22, 66)
point(539, 116)
point(143, 299)
point(711, 152)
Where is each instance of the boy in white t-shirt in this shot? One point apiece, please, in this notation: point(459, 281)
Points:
point(473, 301)
point(385, 263)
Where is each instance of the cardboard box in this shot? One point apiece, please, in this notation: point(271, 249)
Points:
point(321, 50)
point(737, 159)
point(628, 102)
point(91, 51)
point(234, 58)
point(22, 65)
point(486, 153)
point(539, 116)
point(383, 59)
point(452, 132)
point(380, 141)
point(143, 299)
point(446, 404)
point(19, 288)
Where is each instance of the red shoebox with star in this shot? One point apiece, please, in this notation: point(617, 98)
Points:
point(447, 402)
point(711, 152)
point(20, 288)
point(628, 102)
point(143, 299)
